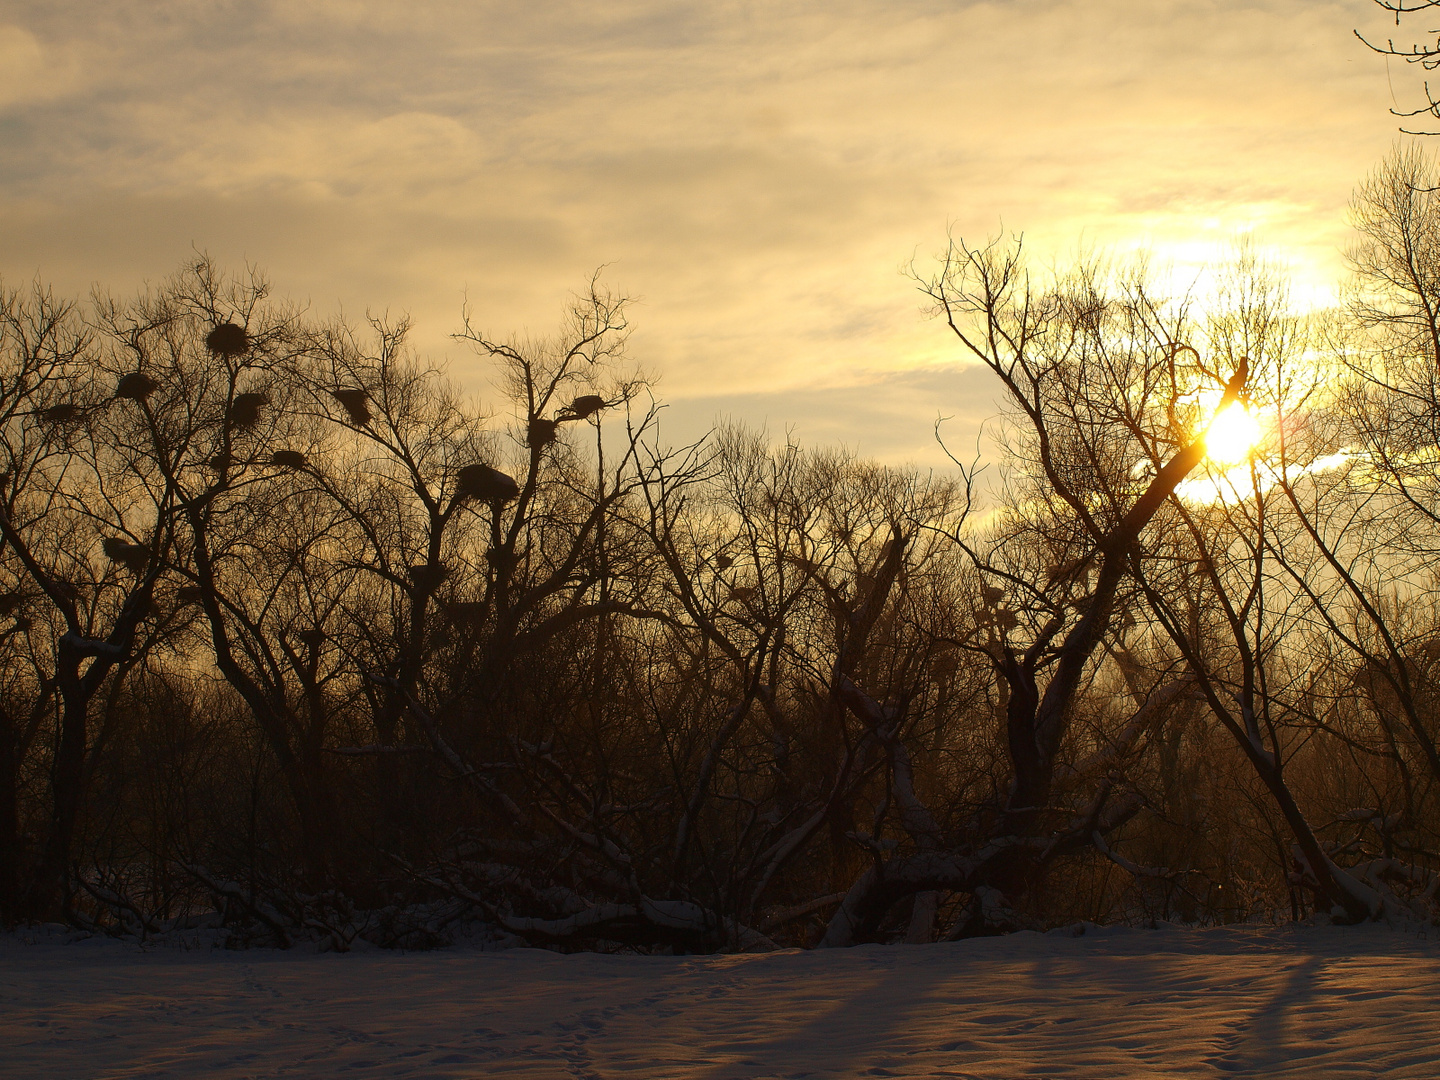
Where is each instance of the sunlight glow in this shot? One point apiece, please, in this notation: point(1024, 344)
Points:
point(1232, 435)
point(1240, 482)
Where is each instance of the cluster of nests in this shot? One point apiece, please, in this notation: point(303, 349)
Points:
point(995, 612)
point(491, 485)
point(745, 593)
point(226, 340)
point(134, 557)
point(741, 594)
point(541, 431)
point(229, 340)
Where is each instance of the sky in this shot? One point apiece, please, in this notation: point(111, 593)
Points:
point(758, 176)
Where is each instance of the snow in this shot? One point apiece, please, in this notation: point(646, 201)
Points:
point(1310, 1002)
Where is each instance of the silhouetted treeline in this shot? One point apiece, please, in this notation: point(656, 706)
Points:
point(298, 639)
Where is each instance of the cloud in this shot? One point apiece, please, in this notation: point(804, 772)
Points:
point(891, 417)
point(31, 73)
point(757, 174)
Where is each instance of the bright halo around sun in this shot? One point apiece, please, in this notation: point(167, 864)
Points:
point(1232, 435)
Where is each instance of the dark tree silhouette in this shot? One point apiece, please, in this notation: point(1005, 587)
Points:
point(298, 640)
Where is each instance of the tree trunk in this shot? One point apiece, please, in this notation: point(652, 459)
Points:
point(67, 791)
point(11, 854)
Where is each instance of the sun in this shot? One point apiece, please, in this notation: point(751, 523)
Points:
point(1232, 435)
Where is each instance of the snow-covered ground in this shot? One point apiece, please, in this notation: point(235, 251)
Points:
point(1313, 1003)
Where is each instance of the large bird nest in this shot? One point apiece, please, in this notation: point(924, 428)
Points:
point(228, 340)
point(136, 386)
point(483, 482)
point(355, 403)
point(245, 409)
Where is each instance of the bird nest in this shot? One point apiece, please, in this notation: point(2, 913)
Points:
point(483, 482)
point(585, 406)
point(245, 409)
point(355, 403)
point(134, 557)
point(228, 340)
point(63, 413)
point(137, 386)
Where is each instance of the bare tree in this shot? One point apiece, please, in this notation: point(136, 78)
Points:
point(1049, 349)
point(87, 528)
point(1421, 53)
point(298, 637)
point(1396, 263)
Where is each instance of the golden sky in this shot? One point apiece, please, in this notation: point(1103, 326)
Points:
point(756, 173)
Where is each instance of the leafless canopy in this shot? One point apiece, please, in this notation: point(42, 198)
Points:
point(1423, 53)
point(301, 641)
